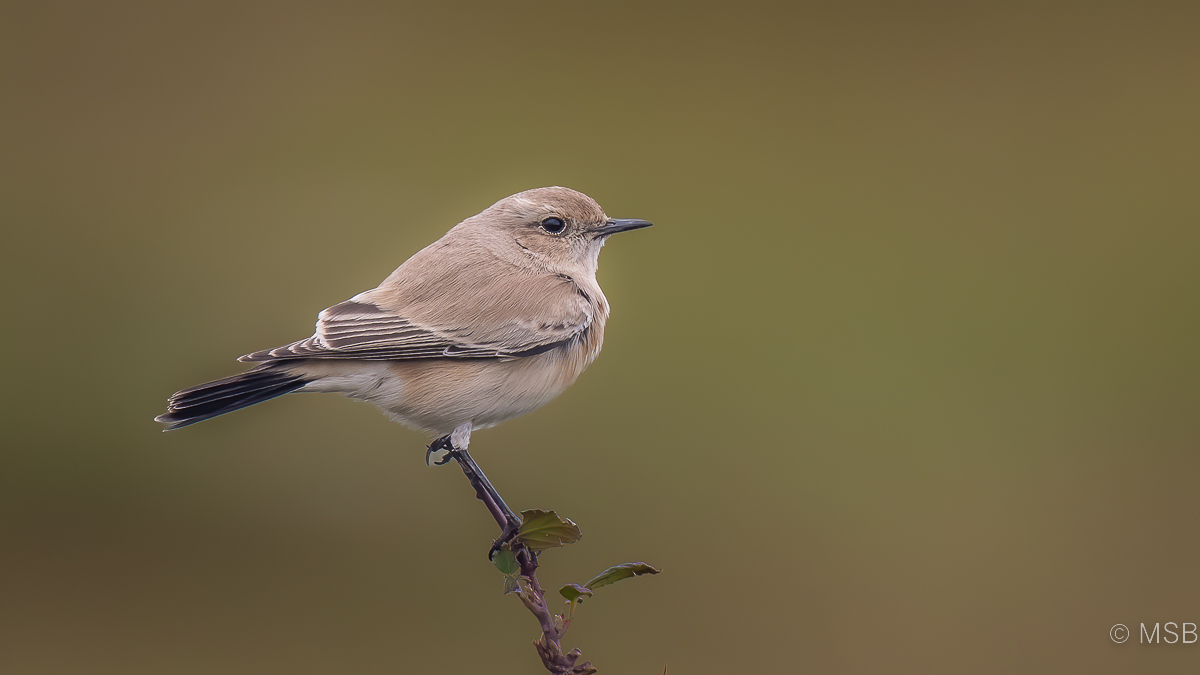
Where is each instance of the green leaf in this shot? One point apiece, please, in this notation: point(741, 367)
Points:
point(541, 530)
point(618, 572)
point(572, 592)
point(506, 562)
point(511, 585)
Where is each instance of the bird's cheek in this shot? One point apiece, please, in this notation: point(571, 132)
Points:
point(527, 246)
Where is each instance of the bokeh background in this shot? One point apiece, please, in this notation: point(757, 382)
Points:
point(904, 379)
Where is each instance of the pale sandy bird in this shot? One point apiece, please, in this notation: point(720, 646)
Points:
point(489, 322)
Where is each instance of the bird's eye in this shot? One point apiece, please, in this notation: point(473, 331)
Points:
point(553, 225)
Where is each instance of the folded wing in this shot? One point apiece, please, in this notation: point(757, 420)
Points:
point(533, 318)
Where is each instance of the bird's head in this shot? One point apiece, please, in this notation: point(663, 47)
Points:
point(557, 228)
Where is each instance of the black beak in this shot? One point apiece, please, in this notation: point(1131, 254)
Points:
point(615, 225)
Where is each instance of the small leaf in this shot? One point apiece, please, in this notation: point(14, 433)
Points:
point(506, 562)
point(541, 530)
point(618, 572)
point(572, 592)
point(511, 585)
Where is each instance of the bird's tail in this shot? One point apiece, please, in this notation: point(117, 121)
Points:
point(232, 393)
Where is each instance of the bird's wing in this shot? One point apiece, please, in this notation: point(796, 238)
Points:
point(531, 318)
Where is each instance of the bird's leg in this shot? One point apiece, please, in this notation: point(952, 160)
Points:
point(455, 446)
point(508, 521)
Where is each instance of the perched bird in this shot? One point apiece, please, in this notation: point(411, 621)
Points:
point(489, 322)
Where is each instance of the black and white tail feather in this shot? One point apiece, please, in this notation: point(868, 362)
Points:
point(208, 400)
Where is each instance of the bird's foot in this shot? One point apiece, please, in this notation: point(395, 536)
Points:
point(441, 445)
point(506, 536)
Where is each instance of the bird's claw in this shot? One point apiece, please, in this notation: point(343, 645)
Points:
point(442, 444)
point(506, 536)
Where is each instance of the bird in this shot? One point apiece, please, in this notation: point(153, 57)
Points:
point(491, 321)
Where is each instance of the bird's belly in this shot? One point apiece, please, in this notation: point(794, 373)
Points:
point(438, 395)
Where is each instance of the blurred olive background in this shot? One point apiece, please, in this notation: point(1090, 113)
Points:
point(904, 378)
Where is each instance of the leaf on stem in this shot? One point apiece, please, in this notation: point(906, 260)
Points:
point(511, 585)
point(574, 591)
point(541, 530)
point(505, 561)
point(618, 572)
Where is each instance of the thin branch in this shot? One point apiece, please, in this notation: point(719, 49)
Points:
point(553, 626)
